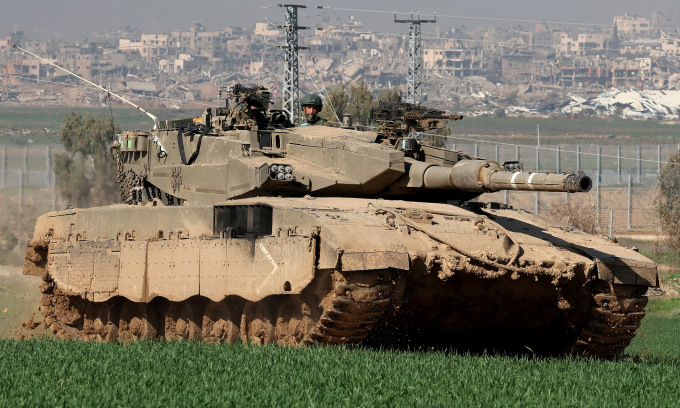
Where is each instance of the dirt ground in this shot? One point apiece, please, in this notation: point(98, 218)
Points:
point(19, 302)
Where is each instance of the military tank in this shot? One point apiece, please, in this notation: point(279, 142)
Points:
point(238, 227)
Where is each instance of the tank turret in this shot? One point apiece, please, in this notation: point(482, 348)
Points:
point(244, 150)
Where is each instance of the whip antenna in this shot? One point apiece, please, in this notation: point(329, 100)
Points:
point(154, 118)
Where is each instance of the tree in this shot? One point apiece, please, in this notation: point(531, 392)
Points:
point(336, 101)
point(391, 95)
point(355, 99)
point(360, 103)
point(668, 203)
point(86, 173)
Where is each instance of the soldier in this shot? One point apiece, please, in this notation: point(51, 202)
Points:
point(312, 105)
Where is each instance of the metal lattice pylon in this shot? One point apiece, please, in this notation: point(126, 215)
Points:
point(415, 58)
point(291, 88)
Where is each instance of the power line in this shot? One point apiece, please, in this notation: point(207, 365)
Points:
point(322, 90)
point(497, 19)
point(471, 40)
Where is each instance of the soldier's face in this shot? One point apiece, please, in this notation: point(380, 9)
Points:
point(310, 109)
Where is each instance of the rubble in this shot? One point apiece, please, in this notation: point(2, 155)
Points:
point(629, 103)
point(547, 69)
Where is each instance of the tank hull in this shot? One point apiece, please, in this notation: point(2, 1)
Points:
point(338, 271)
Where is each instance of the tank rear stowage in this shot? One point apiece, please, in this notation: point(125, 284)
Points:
point(238, 227)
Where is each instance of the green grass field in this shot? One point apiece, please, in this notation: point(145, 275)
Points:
point(62, 373)
point(553, 130)
point(38, 117)
point(566, 130)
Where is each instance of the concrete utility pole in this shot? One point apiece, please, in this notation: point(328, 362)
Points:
point(415, 58)
point(290, 80)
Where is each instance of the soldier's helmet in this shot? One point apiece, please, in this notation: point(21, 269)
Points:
point(312, 100)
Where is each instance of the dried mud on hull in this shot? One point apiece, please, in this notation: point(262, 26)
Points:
point(407, 275)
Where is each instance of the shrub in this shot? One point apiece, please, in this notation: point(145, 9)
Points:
point(578, 215)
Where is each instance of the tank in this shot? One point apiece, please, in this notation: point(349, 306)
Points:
point(238, 227)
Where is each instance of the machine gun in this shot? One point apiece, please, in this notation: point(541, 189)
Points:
point(256, 97)
point(397, 120)
point(250, 108)
point(403, 123)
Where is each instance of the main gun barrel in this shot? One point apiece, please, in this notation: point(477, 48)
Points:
point(484, 176)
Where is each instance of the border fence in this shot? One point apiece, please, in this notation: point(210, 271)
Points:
point(613, 162)
point(625, 177)
point(28, 172)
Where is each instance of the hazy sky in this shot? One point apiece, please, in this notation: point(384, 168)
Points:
point(76, 19)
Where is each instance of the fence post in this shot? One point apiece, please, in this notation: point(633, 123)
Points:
point(21, 190)
point(496, 152)
point(538, 158)
point(536, 205)
point(630, 186)
point(597, 198)
point(639, 164)
point(599, 161)
point(658, 158)
point(611, 223)
point(48, 165)
point(4, 165)
point(53, 183)
point(25, 164)
point(578, 157)
point(517, 152)
point(476, 150)
point(658, 216)
point(618, 162)
point(557, 159)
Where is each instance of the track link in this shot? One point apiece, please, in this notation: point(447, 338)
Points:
point(346, 314)
point(355, 303)
point(614, 318)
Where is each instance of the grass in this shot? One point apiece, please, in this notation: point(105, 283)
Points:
point(654, 250)
point(659, 335)
point(63, 373)
point(664, 307)
point(38, 117)
point(520, 129)
point(57, 373)
point(611, 130)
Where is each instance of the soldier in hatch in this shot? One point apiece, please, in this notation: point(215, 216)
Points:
point(311, 106)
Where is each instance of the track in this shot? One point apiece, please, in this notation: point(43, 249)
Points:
point(338, 308)
point(614, 318)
